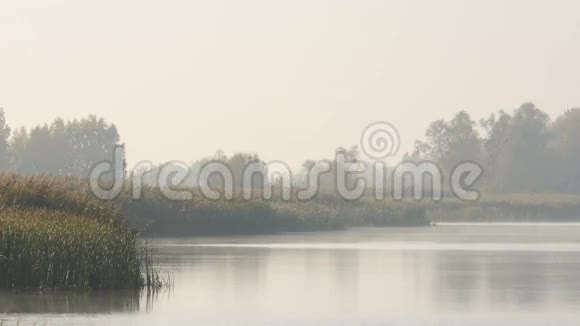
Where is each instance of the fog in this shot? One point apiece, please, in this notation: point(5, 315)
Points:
point(287, 79)
point(289, 162)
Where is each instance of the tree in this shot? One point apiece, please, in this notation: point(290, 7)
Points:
point(450, 142)
point(497, 128)
point(519, 152)
point(64, 147)
point(526, 158)
point(92, 140)
point(238, 164)
point(18, 144)
point(4, 135)
point(566, 130)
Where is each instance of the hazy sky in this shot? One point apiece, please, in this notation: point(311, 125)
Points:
point(288, 79)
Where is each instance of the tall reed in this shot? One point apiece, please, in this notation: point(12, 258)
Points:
point(153, 213)
point(44, 249)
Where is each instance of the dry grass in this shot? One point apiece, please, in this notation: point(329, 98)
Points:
point(508, 208)
point(155, 214)
point(54, 235)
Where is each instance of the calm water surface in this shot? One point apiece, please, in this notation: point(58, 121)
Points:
point(452, 274)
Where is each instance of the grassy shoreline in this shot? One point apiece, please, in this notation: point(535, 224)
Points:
point(508, 208)
point(53, 237)
point(155, 215)
point(54, 234)
point(43, 249)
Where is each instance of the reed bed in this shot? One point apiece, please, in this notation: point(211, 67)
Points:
point(508, 208)
point(67, 194)
point(153, 213)
point(43, 249)
point(54, 234)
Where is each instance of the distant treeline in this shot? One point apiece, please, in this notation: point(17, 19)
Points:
point(521, 152)
point(65, 148)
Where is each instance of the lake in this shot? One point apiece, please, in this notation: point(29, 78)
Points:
point(450, 274)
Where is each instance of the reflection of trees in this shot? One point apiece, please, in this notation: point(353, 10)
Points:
point(502, 279)
point(563, 270)
point(246, 269)
point(346, 266)
point(517, 278)
point(71, 302)
point(457, 278)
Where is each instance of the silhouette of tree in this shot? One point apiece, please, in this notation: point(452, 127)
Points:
point(4, 135)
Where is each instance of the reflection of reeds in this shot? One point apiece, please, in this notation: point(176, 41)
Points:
point(70, 302)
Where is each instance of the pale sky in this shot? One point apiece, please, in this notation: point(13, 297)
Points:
point(288, 79)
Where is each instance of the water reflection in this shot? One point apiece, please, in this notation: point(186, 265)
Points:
point(75, 302)
point(417, 274)
point(367, 273)
point(506, 281)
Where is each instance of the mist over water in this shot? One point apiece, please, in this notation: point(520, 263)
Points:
point(276, 162)
point(461, 274)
